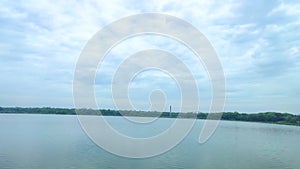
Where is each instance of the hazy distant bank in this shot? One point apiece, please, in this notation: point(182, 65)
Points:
point(267, 117)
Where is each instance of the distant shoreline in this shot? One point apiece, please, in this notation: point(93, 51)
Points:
point(265, 117)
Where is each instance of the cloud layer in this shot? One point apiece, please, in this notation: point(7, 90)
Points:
point(257, 42)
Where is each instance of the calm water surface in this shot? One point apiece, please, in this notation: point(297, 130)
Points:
point(55, 141)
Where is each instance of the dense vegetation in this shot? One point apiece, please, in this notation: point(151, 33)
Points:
point(267, 117)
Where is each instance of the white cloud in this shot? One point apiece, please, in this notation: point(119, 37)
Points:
point(40, 42)
point(290, 9)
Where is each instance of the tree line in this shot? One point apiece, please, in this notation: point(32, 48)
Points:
point(267, 117)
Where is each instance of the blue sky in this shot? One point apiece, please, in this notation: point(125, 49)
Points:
point(258, 44)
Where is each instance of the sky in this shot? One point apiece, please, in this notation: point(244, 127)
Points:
point(257, 42)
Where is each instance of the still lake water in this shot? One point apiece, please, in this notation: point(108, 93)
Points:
point(58, 142)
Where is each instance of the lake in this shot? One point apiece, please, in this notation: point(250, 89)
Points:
point(57, 141)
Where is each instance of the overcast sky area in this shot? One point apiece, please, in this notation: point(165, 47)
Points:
point(257, 42)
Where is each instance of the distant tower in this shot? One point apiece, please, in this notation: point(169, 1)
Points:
point(170, 110)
